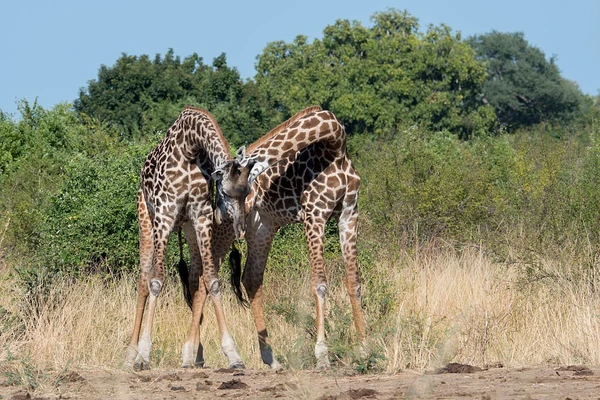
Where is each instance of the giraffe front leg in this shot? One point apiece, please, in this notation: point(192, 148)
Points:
point(259, 238)
point(132, 350)
point(160, 236)
point(227, 344)
point(142, 360)
point(319, 289)
point(192, 351)
point(253, 285)
point(213, 286)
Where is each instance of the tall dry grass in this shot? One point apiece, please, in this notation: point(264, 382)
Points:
point(424, 308)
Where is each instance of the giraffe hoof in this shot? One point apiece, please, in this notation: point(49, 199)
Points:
point(141, 366)
point(195, 365)
point(237, 365)
point(130, 355)
point(323, 364)
point(275, 366)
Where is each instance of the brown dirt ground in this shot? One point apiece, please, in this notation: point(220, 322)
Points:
point(455, 381)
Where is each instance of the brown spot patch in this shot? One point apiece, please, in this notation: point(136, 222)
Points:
point(310, 123)
point(301, 136)
point(287, 145)
point(333, 181)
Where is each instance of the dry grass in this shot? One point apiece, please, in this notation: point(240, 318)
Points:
point(424, 310)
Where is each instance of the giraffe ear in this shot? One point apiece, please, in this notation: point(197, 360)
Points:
point(217, 174)
point(240, 156)
point(217, 216)
point(257, 168)
point(241, 153)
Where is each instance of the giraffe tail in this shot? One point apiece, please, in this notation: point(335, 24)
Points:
point(184, 273)
point(235, 263)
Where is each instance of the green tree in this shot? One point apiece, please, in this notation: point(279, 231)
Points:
point(374, 78)
point(522, 85)
point(140, 97)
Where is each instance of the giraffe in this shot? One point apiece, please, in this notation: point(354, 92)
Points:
point(176, 193)
point(306, 177)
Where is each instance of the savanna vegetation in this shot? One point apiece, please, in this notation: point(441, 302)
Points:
point(480, 207)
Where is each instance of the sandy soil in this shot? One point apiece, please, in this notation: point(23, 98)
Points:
point(455, 381)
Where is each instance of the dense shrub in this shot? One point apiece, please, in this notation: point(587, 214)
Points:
point(91, 220)
point(529, 190)
point(69, 191)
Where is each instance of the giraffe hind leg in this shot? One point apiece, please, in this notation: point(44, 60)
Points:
point(133, 358)
point(315, 230)
point(160, 236)
point(348, 227)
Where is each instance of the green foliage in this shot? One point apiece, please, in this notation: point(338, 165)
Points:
point(425, 185)
point(514, 194)
point(34, 151)
point(523, 87)
point(69, 191)
point(91, 220)
point(374, 78)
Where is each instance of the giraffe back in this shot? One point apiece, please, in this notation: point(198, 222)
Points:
point(284, 125)
point(312, 174)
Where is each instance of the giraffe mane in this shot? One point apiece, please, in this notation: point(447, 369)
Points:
point(282, 126)
point(215, 124)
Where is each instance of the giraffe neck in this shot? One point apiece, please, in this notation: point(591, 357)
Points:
point(200, 136)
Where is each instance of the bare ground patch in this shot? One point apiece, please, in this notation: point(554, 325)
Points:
point(566, 382)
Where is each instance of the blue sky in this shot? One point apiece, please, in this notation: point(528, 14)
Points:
point(50, 49)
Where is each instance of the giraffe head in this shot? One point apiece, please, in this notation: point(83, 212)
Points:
point(234, 181)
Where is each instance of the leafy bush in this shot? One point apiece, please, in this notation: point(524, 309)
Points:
point(418, 186)
point(69, 191)
point(91, 220)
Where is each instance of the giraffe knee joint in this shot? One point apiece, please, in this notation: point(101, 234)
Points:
point(155, 287)
point(215, 287)
point(322, 290)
